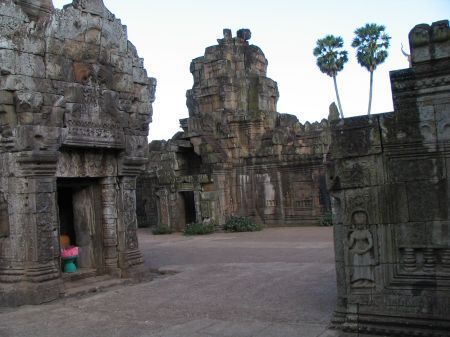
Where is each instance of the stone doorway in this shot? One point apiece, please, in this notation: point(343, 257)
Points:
point(189, 206)
point(80, 217)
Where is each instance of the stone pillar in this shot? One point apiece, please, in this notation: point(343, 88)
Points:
point(110, 195)
point(29, 263)
point(130, 257)
point(163, 208)
point(225, 200)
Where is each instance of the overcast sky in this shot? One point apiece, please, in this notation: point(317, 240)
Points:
point(169, 34)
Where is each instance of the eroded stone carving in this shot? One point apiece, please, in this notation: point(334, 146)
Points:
point(360, 245)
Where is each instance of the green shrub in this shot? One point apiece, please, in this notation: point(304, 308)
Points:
point(199, 228)
point(161, 229)
point(326, 219)
point(241, 224)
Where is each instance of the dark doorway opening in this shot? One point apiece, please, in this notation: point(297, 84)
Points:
point(189, 206)
point(65, 205)
point(80, 218)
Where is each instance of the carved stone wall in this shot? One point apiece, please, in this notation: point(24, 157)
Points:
point(236, 152)
point(389, 178)
point(75, 104)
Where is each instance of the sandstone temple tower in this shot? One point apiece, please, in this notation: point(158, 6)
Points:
point(75, 104)
point(236, 155)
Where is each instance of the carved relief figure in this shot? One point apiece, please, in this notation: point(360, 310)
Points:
point(360, 244)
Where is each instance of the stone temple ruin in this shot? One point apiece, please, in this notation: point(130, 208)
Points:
point(236, 155)
point(389, 177)
point(75, 104)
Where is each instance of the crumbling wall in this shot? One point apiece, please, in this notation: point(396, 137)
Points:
point(389, 179)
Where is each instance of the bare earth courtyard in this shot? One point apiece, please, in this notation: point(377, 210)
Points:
point(278, 282)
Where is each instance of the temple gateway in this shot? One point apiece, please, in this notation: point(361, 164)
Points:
point(75, 104)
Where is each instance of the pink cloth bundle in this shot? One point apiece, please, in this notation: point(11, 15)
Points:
point(71, 251)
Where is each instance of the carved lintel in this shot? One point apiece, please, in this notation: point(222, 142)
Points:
point(87, 134)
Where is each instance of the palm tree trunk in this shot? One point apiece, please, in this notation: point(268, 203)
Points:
point(337, 97)
point(370, 92)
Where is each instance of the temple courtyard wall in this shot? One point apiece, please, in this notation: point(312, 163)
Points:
point(389, 178)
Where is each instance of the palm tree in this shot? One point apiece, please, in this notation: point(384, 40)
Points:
point(331, 59)
point(371, 43)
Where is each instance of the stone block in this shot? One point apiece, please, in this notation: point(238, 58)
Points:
point(413, 169)
point(6, 97)
point(28, 101)
point(140, 76)
point(123, 82)
point(412, 234)
point(122, 64)
point(427, 200)
point(442, 123)
point(30, 65)
point(93, 36)
point(8, 117)
point(59, 67)
point(81, 52)
point(358, 136)
point(419, 41)
point(396, 200)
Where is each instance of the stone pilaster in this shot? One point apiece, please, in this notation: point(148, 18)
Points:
point(110, 197)
point(30, 271)
point(130, 258)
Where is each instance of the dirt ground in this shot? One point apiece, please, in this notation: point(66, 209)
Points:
point(278, 282)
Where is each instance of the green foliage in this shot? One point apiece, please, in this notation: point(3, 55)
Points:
point(161, 229)
point(371, 43)
point(326, 219)
point(240, 224)
point(199, 228)
point(331, 58)
point(330, 54)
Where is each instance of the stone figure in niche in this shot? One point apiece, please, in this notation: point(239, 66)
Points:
point(360, 244)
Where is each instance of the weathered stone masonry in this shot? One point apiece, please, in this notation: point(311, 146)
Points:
point(236, 155)
point(75, 104)
point(390, 182)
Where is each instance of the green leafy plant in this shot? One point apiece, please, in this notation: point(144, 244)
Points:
point(326, 219)
point(241, 224)
point(199, 228)
point(331, 58)
point(371, 43)
point(161, 229)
